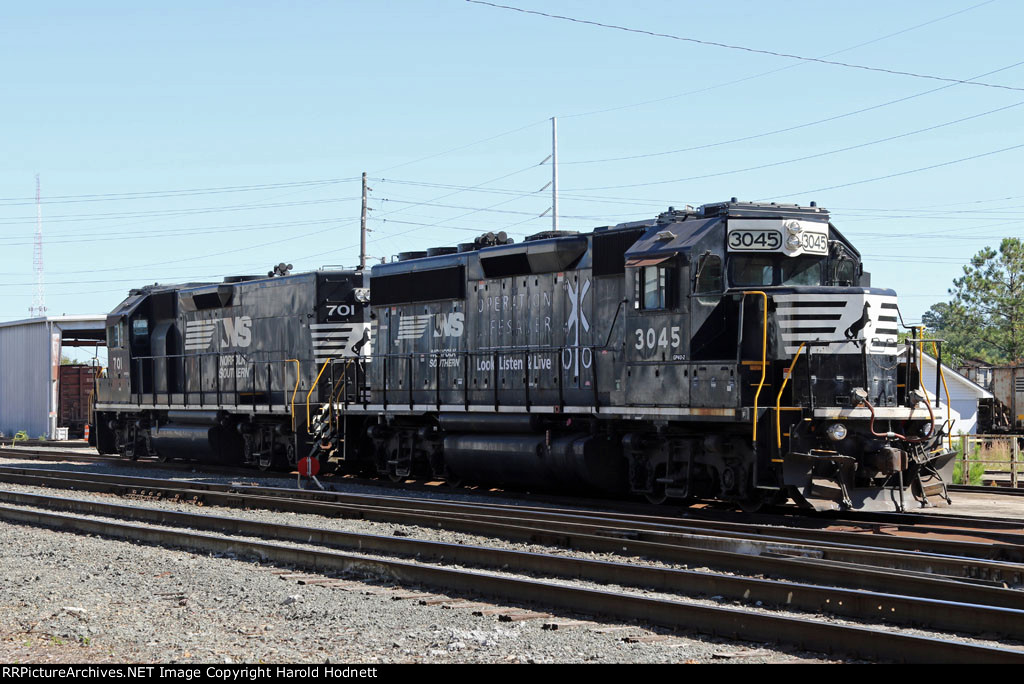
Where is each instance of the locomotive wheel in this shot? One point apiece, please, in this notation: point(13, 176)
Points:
point(270, 461)
point(658, 496)
point(751, 504)
point(131, 444)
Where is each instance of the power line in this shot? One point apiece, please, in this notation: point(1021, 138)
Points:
point(109, 216)
point(156, 194)
point(806, 157)
point(774, 71)
point(462, 147)
point(787, 129)
point(746, 49)
point(165, 233)
point(895, 175)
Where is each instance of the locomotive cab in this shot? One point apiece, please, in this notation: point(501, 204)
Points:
point(763, 317)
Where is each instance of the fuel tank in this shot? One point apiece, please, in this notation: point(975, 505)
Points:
point(207, 443)
point(575, 461)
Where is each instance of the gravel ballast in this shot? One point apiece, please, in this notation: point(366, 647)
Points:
point(126, 602)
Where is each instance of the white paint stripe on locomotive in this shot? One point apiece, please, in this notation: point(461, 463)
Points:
point(284, 409)
point(793, 325)
point(883, 412)
point(782, 310)
point(399, 407)
point(321, 337)
point(332, 326)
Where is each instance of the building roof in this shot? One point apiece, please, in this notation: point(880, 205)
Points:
point(951, 374)
point(81, 321)
point(79, 330)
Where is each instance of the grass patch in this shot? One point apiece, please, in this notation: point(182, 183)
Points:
point(975, 473)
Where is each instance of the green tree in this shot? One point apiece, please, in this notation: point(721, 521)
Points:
point(988, 302)
point(948, 322)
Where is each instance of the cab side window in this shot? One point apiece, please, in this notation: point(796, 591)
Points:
point(708, 280)
point(116, 335)
point(656, 287)
point(140, 328)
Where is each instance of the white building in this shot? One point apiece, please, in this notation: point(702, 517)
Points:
point(963, 395)
point(30, 352)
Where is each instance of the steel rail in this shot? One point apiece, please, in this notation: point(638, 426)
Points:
point(303, 501)
point(742, 556)
point(832, 543)
point(667, 512)
point(949, 615)
point(988, 489)
point(813, 635)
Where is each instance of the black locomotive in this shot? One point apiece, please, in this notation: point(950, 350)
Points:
point(736, 351)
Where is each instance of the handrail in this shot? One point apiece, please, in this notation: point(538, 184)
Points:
point(949, 404)
point(778, 399)
point(337, 392)
point(919, 331)
point(310, 392)
point(764, 351)
point(919, 343)
point(298, 374)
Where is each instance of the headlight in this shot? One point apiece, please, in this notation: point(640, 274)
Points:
point(793, 242)
point(836, 432)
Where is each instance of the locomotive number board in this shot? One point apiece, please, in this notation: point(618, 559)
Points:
point(755, 240)
point(790, 237)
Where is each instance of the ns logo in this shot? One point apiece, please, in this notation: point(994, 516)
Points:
point(237, 331)
point(233, 332)
point(449, 325)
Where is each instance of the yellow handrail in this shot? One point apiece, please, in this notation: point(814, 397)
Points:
point(778, 399)
point(942, 376)
point(298, 366)
point(764, 351)
point(920, 373)
point(310, 392)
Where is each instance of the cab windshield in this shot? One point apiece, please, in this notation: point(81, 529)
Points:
point(768, 271)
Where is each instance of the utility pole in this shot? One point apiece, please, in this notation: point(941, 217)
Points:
point(554, 173)
point(362, 229)
point(38, 307)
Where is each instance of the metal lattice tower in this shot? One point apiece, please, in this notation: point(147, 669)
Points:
point(38, 307)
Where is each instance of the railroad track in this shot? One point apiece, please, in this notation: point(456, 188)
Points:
point(988, 489)
point(784, 515)
point(875, 562)
point(315, 549)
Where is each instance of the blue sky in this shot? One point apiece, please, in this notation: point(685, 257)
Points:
point(120, 107)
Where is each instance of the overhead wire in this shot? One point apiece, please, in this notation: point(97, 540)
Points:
point(898, 174)
point(775, 71)
point(786, 129)
point(805, 157)
point(744, 48)
point(158, 194)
